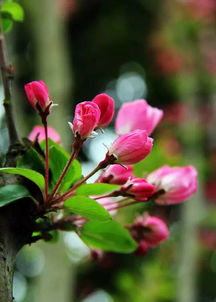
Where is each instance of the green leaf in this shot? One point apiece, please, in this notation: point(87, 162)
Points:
point(32, 160)
point(108, 236)
point(96, 189)
point(86, 207)
point(11, 193)
point(51, 143)
point(58, 160)
point(32, 175)
point(14, 9)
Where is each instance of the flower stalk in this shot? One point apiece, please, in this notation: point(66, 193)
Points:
point(46, 161)
point(76, 148)
point(102, 165)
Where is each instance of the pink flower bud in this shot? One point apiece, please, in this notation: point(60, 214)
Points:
point(156, 230)
point(131, 148)
point(106, 105)
point(137, 115)
point(37, 93)
point(86, 118)
point(148, 231)
point(38, 133)
point(175, 183)
point(139, 188)
point(116, 174)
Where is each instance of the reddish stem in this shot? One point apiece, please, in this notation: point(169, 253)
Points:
point(46, 160)
point(71, 191)
point(105, 196)
point(77, 147)
point(103, 164)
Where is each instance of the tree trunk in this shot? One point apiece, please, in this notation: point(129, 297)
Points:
point(7, 259)
point(6, 277)
point(16, 226)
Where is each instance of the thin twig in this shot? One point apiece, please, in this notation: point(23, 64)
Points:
point(7, 75)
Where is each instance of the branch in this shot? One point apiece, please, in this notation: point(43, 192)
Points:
point(7, 75)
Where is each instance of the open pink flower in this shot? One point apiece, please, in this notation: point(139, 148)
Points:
point(137, 115)
point(38, 132)
point(86, 118)
point(148, 231)
point(131, 148)
point(37, 93)
point(116, 174)
point(178, 183)
point(139, 188)
point(106, 105)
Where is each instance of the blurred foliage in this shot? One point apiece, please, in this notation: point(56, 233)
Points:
point(10, 11)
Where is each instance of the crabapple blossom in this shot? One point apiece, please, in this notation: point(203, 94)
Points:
point(86, 118)
point(148, 231)
point(139, 188)
point(106, 105)
point(137, 115)
point(65, 189)
point(131, 148)
point(175, 183)
point(38, 94)
point(116, 174)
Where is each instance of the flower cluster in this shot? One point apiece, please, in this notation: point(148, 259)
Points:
point(135, 121)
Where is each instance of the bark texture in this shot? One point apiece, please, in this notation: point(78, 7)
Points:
point(7, 258)
point(17, 221)
point(16, 226)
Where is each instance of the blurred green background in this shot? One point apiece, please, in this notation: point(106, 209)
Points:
point(163, 51)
